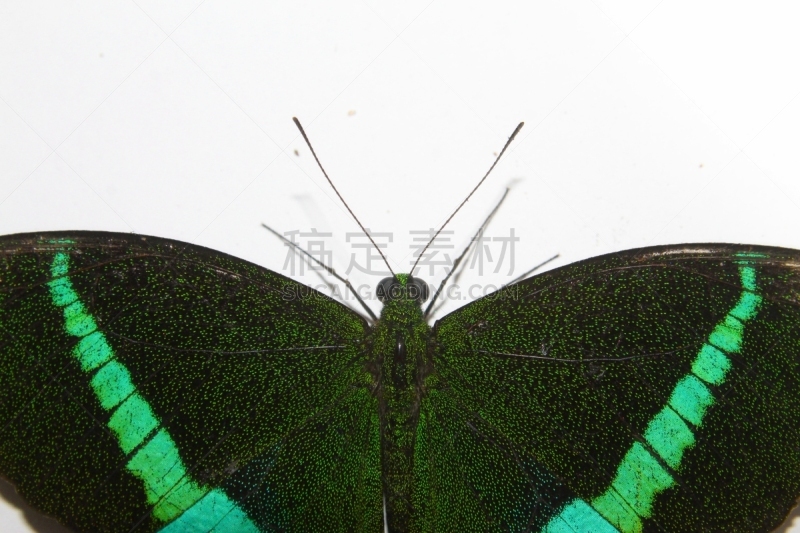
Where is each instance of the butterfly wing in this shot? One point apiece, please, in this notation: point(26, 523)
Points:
point(148, 384)
point(649, 390)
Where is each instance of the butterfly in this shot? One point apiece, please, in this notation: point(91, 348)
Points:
point(153, 385)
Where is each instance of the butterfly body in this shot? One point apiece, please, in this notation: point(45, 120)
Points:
point(152, 385)
point(399, 345)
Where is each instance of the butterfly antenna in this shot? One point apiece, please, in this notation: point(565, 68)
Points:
point(329, 270)
point(457, 262)
point(305, 137)
point(508, 142)
point(531, 271)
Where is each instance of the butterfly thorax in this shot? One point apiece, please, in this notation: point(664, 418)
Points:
point(399, 345)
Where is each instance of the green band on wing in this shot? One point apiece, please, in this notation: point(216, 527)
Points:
point(669, 436)
point(691, 398)
point(93, 351)
point(133, 421)
point(727, 336)
point(214, 512)
point(112, 384)
point(711, 365)
point(175, 497)
point(578, 516)
point(640, 477)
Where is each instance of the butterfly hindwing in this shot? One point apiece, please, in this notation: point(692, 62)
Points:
point(149, 384)
point(648, 390)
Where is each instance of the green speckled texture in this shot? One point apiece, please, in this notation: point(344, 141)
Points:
point(651, 310)
point(252, 383)
point(499, 418)
point(399, 345)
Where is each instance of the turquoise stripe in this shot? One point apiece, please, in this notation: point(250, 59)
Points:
point(93, 351)
point(690, 399)
point(727, 336)
point(176, 498)
point(669, 436)
point(747, 306)
point(214, 512)
point(711, 365)
point(112, 384)
point(579, 517)
point(617, 511)
point(133, 422)
point(640, 476)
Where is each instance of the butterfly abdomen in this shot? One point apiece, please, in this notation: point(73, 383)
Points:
point(399, 344)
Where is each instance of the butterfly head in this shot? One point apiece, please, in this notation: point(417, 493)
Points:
point(402, 287)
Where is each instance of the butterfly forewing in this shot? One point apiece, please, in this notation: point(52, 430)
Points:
point(147, 383)
point(648, 390)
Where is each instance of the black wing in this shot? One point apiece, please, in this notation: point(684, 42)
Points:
point(147, 383)
point(649, 390)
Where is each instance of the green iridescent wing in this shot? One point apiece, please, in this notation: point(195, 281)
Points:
point(649, 390)
point(149, 384)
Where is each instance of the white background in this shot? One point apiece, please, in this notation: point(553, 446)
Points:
point(647, 123)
